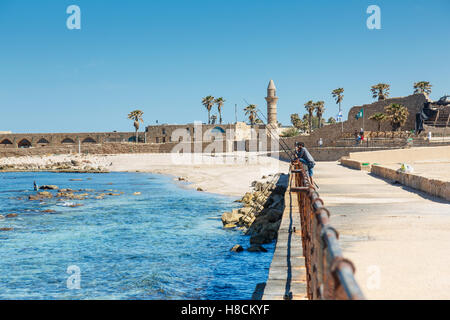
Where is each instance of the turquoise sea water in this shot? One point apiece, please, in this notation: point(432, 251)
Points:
point(167, 243)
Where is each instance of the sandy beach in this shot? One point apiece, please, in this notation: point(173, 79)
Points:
point(227, 174)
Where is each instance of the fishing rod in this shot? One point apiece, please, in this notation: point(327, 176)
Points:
point(283, 144)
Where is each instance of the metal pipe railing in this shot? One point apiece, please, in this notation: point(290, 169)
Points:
point(329, 275)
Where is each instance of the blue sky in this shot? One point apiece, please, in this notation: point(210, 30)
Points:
point(164, 56)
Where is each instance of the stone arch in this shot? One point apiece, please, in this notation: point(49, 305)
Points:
point(133, 139)
point(24, 143)
point(43, 141)
point(218, 129)
point(89, 140)
point(6, 142)
point(68, 141)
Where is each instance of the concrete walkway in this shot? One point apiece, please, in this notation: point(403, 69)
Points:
point(398, 238)
point(287, 275)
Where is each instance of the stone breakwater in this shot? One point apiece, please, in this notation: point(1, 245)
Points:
point(57, 163)
point(260, 216)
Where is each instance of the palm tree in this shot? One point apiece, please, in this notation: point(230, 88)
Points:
point(379, 118)
point(136, 115)
point(422, 87)
point(338, 95)
point(397, 114)
point(220, 101)
point(250, 111)
point(208, 102)
point(310, 107)
point(213, 119)
point(380, 91)
point(296, 121)
point(320, 109)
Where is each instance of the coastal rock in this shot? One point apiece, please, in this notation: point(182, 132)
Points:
point(76, 163)
point(49, 211)
point(271, 227)
point(49, 187)
point(40, 196)
point(230, 226)
point(274, 215)
point(231, 217)
point(200, 189)
point(266, 236)
point(6, 229)
point(237, 248)
point(245, 210)
point(247, 198)
point(12, 215)
point(256, 248)
point(260, 239)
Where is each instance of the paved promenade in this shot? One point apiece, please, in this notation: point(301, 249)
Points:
point(398, 238)
point(287, 275)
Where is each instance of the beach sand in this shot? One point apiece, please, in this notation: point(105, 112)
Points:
point(226, 174)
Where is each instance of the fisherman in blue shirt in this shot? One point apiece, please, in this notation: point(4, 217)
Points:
point(305, 157)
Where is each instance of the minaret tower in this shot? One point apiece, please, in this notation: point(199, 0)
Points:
point(272, 105)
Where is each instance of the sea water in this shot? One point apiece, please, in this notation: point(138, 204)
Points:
point(166, 243)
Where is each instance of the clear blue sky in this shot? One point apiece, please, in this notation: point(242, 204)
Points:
point(164, 56)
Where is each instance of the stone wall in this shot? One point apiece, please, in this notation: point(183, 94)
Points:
point(173, 132)
point(25, 140)
point(413, 103)
point(434, 187)
point(330, 134)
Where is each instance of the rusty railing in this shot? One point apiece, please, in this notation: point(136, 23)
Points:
point(329, 275)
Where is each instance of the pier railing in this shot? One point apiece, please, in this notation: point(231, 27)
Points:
point(329, 275)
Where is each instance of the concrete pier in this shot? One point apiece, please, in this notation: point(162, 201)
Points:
point(287, 275)
point(397, 237)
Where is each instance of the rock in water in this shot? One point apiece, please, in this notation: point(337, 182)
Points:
point(231, 217)
point(49, 211)
point(6, 229)
point(12, 215)
point(200, 189)
point(237, 248)
point(256, 248)
point(49, 187)
point(266, 236)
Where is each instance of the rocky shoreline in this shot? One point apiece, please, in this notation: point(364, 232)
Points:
point(55, 163)
point(260, 216)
